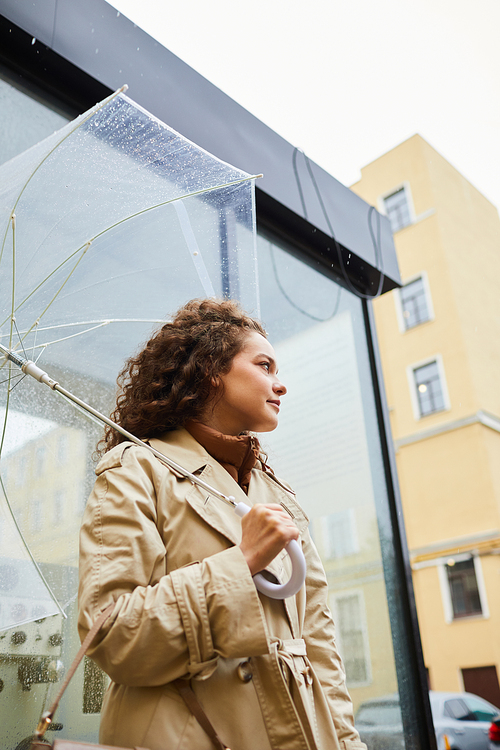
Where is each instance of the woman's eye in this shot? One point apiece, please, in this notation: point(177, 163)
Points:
point(266, 365)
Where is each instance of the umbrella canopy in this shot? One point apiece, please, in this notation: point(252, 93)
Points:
point(106, 227)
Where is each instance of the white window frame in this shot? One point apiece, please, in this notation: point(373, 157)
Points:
point(325, 536)
point(446, 593)
point(62, 448)
point(399, 305)
point(59, 504)
point(35, 513)
point(409, 199)
point(344, 594)
point(413, 386)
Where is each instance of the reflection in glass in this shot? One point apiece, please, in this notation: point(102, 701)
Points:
point(326, 447)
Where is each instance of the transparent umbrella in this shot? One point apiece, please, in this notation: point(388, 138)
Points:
point(106, 227)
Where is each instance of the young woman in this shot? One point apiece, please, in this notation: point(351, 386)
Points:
point(178, 563)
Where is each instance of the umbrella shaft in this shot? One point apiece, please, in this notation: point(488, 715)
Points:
point(168, 461)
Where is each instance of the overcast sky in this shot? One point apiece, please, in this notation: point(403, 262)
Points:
point(347, 81)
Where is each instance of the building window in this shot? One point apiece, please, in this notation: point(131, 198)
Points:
point(397, 209)
point(59, 506)
point(340, 538)
point(22, 469)
point(353, 642)
point(62, 449)
point(464, 590)
point(40, 459)
point(429, 388)
point(36, 514)
point(415, 303)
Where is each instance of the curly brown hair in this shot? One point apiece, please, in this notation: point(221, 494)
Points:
point(171, 380)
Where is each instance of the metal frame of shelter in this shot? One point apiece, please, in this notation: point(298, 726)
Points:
point(49, 49)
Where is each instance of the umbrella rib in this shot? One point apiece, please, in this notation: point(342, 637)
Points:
point(19, 337)
point(101, 324)
point(86, 247)
point(72, 336)
point(13, 222)
point(173, 200)
point(16, 384)
point(46, 279)
point(34, 340)
point(98, 324)
point(10, 378)
point(94, 322)
point(56, 146)
point(4, 428)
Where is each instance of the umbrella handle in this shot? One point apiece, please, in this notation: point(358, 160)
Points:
point(276, 590)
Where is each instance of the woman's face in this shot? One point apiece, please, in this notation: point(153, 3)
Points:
point(250, 391)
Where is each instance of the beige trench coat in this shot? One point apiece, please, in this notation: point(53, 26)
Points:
point(266, 672)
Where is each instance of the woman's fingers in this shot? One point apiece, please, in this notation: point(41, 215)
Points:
point(266, 529)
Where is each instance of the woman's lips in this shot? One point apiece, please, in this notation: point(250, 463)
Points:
point(275, 403)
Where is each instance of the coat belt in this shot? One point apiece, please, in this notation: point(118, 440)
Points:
point(294, 646)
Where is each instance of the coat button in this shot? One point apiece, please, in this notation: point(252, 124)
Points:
point(245, 671)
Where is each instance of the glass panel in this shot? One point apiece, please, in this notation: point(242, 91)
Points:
point(327, 447)
point(23, 121)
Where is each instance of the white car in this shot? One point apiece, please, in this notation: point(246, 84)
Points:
point(461, 722)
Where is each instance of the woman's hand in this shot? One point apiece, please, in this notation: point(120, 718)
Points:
point(266, 530)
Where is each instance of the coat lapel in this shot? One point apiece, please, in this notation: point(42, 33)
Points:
point(266, 488)
point(182, 448)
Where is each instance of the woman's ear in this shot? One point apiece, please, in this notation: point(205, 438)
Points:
point(216, 390)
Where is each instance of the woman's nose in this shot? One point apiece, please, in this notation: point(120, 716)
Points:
point(279, 388)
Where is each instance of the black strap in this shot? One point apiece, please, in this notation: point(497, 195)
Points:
point(183, 686)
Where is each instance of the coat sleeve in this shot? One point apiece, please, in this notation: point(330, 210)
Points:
point(319, 634)
point(163, 626)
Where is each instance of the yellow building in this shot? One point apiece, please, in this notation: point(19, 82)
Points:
point(44, 478)
point(439, 338)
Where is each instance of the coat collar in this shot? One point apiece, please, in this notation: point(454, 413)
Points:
point(181, 447)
